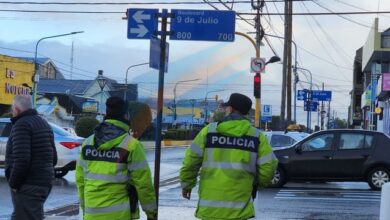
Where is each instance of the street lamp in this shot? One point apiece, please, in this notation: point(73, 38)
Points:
point(309, 96)
point(36, 74)
point(102, 81)
point(174, 95)
point(207, 103)
point(127, 71)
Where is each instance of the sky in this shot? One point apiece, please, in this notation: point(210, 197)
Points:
point(326, 46)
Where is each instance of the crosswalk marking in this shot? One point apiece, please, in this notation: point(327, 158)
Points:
point(328, 195)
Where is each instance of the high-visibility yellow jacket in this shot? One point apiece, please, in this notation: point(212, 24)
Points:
point(230, 155)
point(109, 161)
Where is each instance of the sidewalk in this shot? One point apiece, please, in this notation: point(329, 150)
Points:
point(166, 144)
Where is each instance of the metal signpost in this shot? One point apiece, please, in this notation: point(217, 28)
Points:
point(201, 25)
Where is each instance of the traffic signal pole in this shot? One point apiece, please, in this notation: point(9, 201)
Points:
point(258, 100)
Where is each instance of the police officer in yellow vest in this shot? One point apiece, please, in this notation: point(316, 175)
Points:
point(234, 158)
point(110, 161)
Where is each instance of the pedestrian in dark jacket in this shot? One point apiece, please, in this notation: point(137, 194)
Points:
point(30, 159)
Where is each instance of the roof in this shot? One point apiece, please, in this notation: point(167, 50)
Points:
point(40, 61)
point(63, 86)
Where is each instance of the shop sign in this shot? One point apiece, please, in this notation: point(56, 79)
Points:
point(386, 82)
point(90, 106)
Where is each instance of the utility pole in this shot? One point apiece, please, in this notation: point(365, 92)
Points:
point(288, 77)
point(284, 71)
point(259, 36)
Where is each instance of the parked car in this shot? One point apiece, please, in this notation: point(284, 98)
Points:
point(336, 155)
point(281, 139)
point(70, 130)
point(67, 147)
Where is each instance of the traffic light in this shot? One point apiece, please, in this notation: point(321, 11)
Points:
point(256, 85)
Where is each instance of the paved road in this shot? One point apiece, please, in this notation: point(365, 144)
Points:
point(337, 201)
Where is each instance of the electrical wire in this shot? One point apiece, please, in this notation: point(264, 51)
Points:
point(344, 17)
point(332, 42)
point(238, 13)
point(135, 3)
point(323, 46)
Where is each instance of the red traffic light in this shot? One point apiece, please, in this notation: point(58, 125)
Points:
point(256, 79)
point(256, 85)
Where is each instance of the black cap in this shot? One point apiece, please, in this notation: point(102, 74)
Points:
point(239, 102)
point(116, 108)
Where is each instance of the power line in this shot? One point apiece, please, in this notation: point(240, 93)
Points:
point(136, 3)
point(239, 13)
point(323, 46)
point(346, 18)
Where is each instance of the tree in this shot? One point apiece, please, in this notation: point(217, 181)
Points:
point(340, 123)
point(85, 126)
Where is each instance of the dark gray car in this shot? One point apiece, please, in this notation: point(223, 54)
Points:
point(337, 155)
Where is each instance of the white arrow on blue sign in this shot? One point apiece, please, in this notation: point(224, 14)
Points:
point(301, 95)
point(141, 23)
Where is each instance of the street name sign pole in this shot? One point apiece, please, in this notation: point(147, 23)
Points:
point(200, 25)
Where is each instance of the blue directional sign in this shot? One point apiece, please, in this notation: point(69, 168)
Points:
point(266, 110)
point(318, 95)
point(302, 94)
point(313, 106)
point(266, 119)
point(141, 23)
point(155, 50)
point(203, 25)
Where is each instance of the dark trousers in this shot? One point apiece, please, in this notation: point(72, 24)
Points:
point(28, 202)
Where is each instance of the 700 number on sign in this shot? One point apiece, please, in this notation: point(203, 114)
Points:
point(188, 35)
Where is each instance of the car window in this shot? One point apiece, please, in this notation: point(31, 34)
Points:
point(59, 131)
point(355, 141)
point(351, 141)
point(368, 142)
point(321, 142)
point(5, 129)
point(281, 141)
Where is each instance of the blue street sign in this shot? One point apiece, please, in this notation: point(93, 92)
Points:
point(266, 118)
point(318, 95)
point(313, 106)
point(203, 25)
point(301, 95)
point(141, 23)
point(154, 56)
point(266, 110)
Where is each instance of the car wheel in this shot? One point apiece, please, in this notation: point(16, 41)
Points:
point(60, 173)
point(279, 178)
point(377, 177)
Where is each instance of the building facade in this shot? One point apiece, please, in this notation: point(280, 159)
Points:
point(376, 68)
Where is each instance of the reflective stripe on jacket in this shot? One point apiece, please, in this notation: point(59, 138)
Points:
point(230, 153)
point(103, 174)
